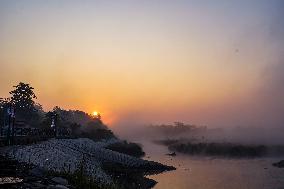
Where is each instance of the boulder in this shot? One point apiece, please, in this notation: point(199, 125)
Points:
point(60, 180)
point(279, 164)
point(37, 172)
point(60, 187)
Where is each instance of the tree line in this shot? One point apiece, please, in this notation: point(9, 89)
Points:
point(77, 123)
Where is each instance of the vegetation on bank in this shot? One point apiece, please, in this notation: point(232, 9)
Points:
point(221, 149)
point(128, 148)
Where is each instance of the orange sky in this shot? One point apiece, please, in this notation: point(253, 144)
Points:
point(156, 61)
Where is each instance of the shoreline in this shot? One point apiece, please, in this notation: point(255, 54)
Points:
point(98, 164)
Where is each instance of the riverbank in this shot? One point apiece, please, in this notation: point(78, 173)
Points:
point(85, 157)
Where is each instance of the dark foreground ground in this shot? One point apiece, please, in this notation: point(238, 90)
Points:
point(20, 175)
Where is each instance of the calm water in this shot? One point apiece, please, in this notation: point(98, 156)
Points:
point(214, 173)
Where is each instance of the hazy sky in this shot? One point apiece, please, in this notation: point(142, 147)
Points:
point(206, 62)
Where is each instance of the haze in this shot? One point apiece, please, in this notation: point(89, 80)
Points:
point(141, 62)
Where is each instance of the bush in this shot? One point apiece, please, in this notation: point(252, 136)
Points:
point(124, 147)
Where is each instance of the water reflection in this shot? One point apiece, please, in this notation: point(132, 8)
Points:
point(214, 173)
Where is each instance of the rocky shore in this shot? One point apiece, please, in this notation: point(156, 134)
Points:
point(21, 175)
point(42, 163)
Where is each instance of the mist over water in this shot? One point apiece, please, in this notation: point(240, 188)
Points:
point(209, 172)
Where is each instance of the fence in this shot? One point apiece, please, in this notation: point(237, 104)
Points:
point(22, 136)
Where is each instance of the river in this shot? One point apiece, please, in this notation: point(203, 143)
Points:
point(214, 173)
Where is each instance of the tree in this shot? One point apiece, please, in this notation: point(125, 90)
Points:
point(23, 100)
point(46, 121)
point(4, 103)
point(22, 96)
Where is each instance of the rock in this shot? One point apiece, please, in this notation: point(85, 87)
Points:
point(46, 181)
point(279, 164)
point(38, 185)
point(50, 186)
point(27, 185)
point(30, 179)
point(60, 180)
point(10, 180)
point(60, 187)
point(172, 154)
point(37, 172)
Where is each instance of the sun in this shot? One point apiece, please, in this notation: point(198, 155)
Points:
point(95, 113)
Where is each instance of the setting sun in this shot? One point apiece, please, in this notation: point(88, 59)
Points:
point(95, 113)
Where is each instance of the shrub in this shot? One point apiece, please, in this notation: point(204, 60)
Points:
point(128, 148)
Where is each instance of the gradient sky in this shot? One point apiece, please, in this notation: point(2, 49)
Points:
point(208, 62)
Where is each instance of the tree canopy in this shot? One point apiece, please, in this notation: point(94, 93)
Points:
point(22, 96)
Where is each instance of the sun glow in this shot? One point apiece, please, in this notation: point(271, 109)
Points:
point(95, 113)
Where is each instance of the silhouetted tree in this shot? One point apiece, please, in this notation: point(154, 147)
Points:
point(4, 102)
point(3, 105)
point(22, 96)
point(75, 129)
point(46, 121)
point(23, 100)
point(80, 124)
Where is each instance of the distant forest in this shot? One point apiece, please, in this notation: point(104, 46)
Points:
point(178, 128)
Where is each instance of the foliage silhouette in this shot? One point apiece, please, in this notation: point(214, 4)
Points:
point(23, 100)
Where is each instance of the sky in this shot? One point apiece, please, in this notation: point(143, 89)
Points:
point(216, 63)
